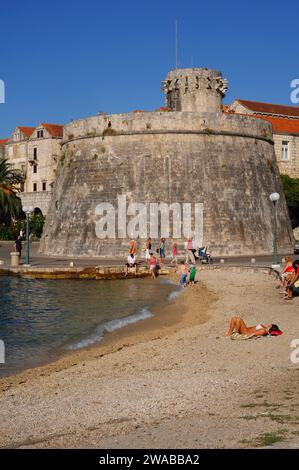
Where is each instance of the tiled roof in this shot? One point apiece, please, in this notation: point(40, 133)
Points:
point(268, 108)
point(56, 130)
point(27, 131)
point(281, 125)
point(3, 141)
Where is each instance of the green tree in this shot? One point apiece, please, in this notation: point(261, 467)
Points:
point(36, 225)
point(291, 190)
point(10, 203)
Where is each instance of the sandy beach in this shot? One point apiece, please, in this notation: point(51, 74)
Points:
point(172, 381)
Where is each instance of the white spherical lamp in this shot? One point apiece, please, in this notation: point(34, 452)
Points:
point(274, 197)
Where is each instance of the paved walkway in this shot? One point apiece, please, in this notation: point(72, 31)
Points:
point(39, 261)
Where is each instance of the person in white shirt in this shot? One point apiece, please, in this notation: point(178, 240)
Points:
point(131, 263)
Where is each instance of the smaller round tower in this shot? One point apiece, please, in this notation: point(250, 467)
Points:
point(196, 90)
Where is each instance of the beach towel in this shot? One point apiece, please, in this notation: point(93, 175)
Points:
point(239, 336)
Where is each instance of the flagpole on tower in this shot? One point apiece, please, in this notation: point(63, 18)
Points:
point(177, 43)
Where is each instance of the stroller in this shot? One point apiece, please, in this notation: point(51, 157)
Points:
point(203, 255)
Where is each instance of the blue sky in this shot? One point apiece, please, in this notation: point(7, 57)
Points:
point(62, 60)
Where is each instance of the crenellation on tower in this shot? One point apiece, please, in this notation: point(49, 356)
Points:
point(195, 90)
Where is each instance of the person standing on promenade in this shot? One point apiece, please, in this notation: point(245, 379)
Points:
point(174, 258)
point(18, 246)
point(162, 250)
point(148, 251)
point(132, 247)
point(190, 255)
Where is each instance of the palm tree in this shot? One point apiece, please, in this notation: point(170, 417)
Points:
point(10, 203)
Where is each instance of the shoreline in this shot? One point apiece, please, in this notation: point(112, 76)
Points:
point(166, 319)
point(175, 381)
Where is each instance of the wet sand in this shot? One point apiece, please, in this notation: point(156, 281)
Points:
point(172, 381)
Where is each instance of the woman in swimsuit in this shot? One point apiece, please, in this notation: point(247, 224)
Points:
point(238, 325)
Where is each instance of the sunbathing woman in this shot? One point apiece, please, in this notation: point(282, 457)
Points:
point(238, 325)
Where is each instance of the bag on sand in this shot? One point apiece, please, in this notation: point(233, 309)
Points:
point(276, 333)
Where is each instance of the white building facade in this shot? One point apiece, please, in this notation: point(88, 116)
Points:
point(34, 152)
point(285, 123)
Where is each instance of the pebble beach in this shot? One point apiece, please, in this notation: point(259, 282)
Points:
point(171, 381)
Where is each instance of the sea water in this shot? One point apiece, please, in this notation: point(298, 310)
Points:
point(41, 320)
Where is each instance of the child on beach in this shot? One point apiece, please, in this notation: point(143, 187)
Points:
point(153, 266)
point(192, 275)
point(183, 274)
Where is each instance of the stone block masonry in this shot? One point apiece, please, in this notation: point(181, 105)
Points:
point(202, 155)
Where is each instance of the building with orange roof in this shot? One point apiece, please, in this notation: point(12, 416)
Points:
point(34, 151)
point(285, 124)
point(2, 147)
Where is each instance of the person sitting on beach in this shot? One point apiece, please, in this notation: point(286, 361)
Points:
point(292, 288)
point(192, 275)
point(131, 263)
point(286, 271)
point(153, 266)
point(237, 325)
point(183, 274)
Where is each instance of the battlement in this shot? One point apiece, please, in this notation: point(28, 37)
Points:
point(197, 90)
point(107, 126)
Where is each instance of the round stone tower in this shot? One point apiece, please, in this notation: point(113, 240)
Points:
point(198, 90)
point(191, 153)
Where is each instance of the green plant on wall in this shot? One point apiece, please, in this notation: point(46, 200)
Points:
point(108, 131)
point(291, 191)
point(10, 203)
point(37, 222)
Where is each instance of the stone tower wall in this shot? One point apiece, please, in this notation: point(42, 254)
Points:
point(227, 162)
point(192, 154)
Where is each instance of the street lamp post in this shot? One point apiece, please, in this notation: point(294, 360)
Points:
point(274, 197)
point(28, 210)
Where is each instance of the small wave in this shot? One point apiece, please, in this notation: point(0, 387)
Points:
point(110, 326)
point(174, 294)
point(168, 281)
